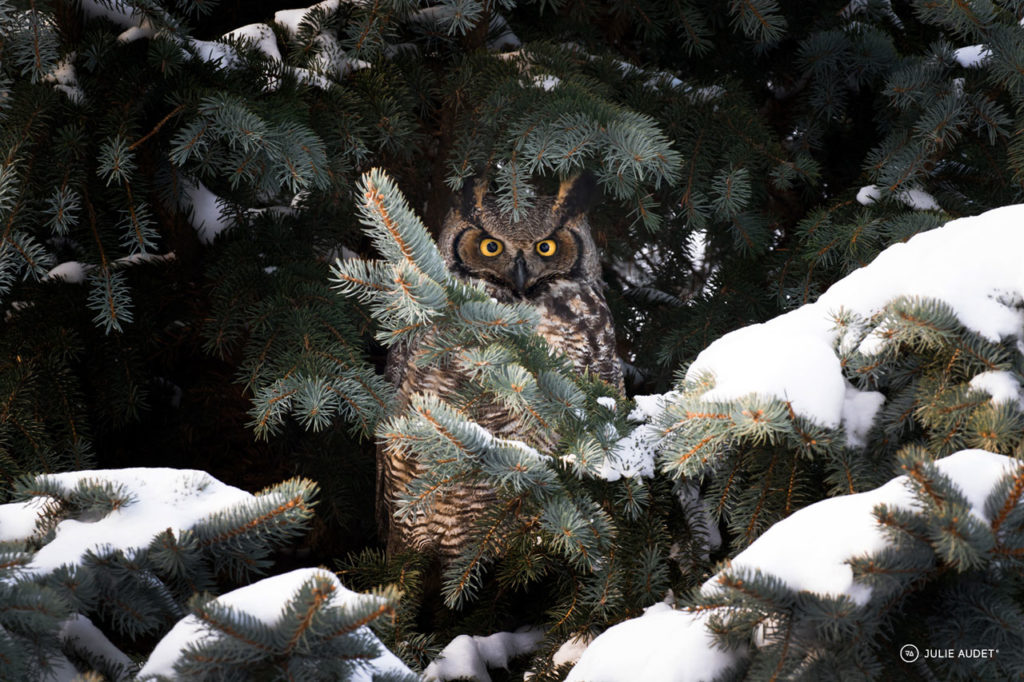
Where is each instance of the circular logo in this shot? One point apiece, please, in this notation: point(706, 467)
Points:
point(909, 653)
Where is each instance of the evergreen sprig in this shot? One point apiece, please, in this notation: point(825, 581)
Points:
point(319, 635)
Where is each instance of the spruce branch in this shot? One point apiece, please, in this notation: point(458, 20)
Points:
point(160, 124)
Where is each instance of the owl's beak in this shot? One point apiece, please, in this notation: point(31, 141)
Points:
point(520, 274)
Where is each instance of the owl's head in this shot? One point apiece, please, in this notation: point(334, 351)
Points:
point(522, 259)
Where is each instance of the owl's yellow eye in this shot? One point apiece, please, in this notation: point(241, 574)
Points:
point(491, 247)
point(546, 247)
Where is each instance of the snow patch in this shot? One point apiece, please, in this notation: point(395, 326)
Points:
point(65, 79)
point(81, 635)
point(790, 358)
point(330, 58)
point(869, 194)
point(222, 53)
point(955, 263)
point(207, 214)
point(634, 454)
point(546, 82)
point(807, 551)
point(649, 407)
point(972, 56)
point(663, 645)
point(75, 272)
point(1003, 387)
point(570, 651)
point(71, 271)
point(859, 410)
point(291, 19)
point(18, 519)
point(261, 36)
point(469, 657)
point(215, 52)
point(143, 30)
point(917, 199)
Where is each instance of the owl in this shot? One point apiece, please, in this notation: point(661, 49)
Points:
point(547, 259)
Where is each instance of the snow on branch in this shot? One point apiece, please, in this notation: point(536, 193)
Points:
point(292, 19)
point(927, 339)
point(75, 272)
point(816, 556)
point(126, 549)
point(124, 510)
point(121, 13)
point(304, 620)
point(914, 198)
point(971, 264)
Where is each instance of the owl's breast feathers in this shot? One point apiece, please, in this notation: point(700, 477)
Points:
point(575, 319)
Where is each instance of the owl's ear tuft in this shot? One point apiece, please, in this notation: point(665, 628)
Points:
point(471, 198)
point(576, 195)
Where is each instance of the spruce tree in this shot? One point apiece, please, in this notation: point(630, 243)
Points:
point(178, 181)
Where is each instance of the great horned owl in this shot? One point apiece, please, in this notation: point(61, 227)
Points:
point(547, 258)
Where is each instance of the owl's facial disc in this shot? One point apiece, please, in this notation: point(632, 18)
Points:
point(521, 265)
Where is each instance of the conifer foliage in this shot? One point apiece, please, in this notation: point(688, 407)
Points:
point(127, 549)
point(884, 369)
point(188, 222)
point(766, 459)
point(907, 565)
point(918, 379)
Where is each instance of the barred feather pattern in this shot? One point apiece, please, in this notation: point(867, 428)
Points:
point(444, 527)
point(447, 526)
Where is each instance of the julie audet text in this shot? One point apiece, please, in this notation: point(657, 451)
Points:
point(910, 653)
point(960, 653)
